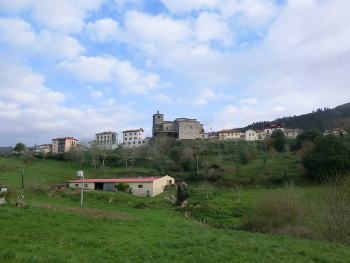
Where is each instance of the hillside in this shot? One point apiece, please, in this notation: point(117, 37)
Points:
point(118, 227)
point(321, 119)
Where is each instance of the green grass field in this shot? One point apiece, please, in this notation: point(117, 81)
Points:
point(118, 227)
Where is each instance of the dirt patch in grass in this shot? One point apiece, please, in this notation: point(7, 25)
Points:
point(90, 212)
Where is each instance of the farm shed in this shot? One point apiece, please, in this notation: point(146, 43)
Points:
point(140, 186)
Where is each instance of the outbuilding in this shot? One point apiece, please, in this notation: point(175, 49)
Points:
point(140, 186)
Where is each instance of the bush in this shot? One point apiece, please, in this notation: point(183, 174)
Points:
point(335, 217)
point(280, 214)
point(122, 187)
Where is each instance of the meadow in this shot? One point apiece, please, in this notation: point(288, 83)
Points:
point(118, 227)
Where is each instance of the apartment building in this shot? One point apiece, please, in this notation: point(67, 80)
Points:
point(63, 144)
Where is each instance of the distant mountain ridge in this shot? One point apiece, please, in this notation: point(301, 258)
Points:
point(321, 120)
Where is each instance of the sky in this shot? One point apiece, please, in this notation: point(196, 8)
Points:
point(74, 68)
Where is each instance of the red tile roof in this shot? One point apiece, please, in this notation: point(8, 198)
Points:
point(223, 131)
point(116, 180)
point(66, 138)
point(134, 130)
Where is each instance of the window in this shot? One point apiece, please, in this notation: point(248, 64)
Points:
point(140, 186)
point(85, 185)
point(76, 185)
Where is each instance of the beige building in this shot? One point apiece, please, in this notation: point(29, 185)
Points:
point(229, 134)
point(42, 148)
point(147, 186)
point(290, 133)
point(61, 145)
point(253, 135)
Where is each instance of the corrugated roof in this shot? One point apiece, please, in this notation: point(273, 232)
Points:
point(117, 180)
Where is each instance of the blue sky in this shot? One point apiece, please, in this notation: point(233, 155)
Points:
point(79, 67)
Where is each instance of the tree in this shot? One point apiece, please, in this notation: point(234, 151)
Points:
point(329, 156)
point(306, 136)
point(278, 140)
point(19, 148)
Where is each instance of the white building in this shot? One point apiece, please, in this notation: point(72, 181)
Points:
point(133, 138)
point(254, 135)
point(140, 186)
point(107, 139)
point(269, 128)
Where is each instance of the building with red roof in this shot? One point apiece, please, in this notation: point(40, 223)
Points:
point(229, 135)
point(140, 186)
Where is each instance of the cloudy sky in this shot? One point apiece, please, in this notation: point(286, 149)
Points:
point(79, 67)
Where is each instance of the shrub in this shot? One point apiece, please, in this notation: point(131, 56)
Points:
point(335, 217)
point(122, 187)
point(280, 214)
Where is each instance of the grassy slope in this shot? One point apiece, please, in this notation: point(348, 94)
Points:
point(156, 234)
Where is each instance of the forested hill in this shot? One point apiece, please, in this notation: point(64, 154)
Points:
point(321, 119)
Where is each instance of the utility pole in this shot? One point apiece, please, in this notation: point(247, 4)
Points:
point(82, 190)
point(80, 174)
point(22, 182)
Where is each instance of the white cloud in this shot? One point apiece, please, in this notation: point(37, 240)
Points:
point(158, 29)
point(96, 69)
point(110, 69)
point(97, 94)
point(209, 26)
point(249, 101)
point(64, 15)
point(162, 98)
point(31, 112)
point(182, 45)
point(206, 95)
point(22, 86)
point(14, 6)
point(58, 15)
point(180, 6)
point(103, 30)
point(22, 38)
point(17, 32)
point(248, 12)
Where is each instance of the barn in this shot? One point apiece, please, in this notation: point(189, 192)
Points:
point(140, 186)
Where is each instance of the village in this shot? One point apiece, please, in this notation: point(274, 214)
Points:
point(179, 129)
